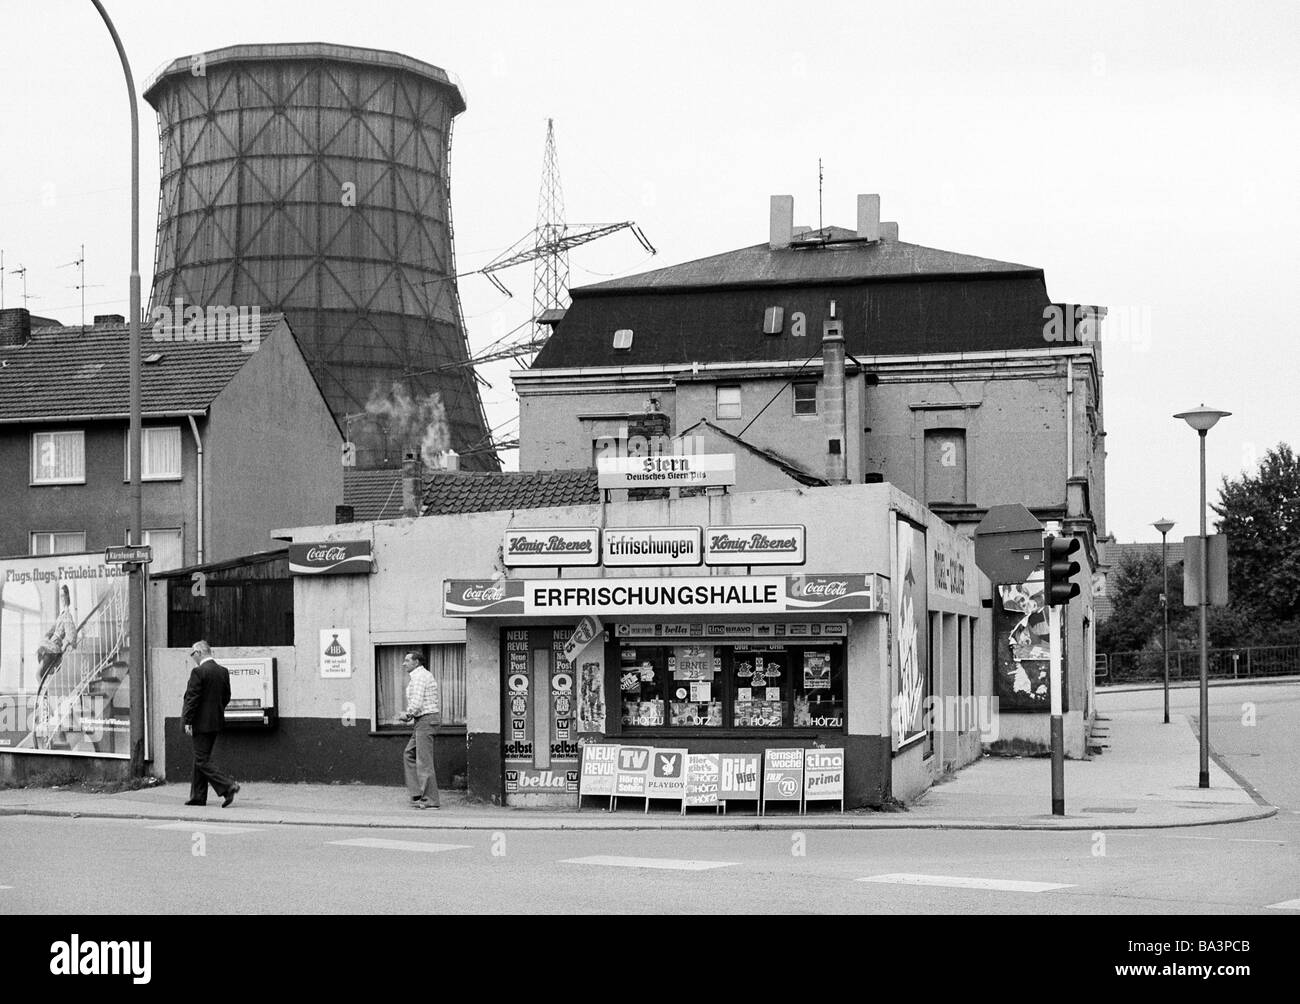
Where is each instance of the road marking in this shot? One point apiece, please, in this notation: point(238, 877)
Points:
point(399, 845)
point(672, 864)
point(6, 887)
point(205, 827)
point(963, 882)
point(1290, 904)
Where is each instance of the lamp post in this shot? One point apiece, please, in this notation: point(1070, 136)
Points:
point(1203, 419)
point(1164, 526)
point(136, 581)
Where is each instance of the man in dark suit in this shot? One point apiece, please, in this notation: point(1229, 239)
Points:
point(203, 713)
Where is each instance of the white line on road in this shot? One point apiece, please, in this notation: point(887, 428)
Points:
point(673, 864)
point(198, 826)
point(6, 887)
point(963, 882)
point(399, 845)
point(1290, 904)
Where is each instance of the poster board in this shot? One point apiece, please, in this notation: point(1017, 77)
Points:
point(782, 778)
point(823, 776)
point(738, 778)
point(632, 772)
point(702, 776)
point(599, 765)
point(667, 777)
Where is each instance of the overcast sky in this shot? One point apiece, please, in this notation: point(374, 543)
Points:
point(1143, 154)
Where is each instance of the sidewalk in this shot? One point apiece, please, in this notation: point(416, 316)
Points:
point(1146, 779)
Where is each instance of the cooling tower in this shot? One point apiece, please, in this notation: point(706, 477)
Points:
point(312, 179)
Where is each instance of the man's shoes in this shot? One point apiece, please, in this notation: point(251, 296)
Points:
point(193, 801)
point(423, 803)
point(417, 798)
point(231, 792)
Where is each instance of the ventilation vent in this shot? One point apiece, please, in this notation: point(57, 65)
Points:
point(773, 318)
point(623, 339)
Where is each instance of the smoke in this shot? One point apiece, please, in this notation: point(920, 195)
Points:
point(409, 420)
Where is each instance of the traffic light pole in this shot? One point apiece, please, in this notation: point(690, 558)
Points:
point(1058, 725)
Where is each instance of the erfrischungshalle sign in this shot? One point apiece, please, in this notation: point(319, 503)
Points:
point(693, 470)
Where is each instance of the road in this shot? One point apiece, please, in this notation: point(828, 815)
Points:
point(87, 866)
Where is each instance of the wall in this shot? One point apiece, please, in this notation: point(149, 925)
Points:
point(101, 506)
point(271, 452)
point(557, 427)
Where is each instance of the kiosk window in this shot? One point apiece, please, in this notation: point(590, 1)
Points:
point(760, 680)
point(642, 675)
point(818, 688)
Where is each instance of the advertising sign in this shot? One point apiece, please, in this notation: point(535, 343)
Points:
point(335, 557)
point(823, 776)
point(518, 726)
point(667, 774)
point(1020, 670)
point(550, 547)
point(626, 547)
point(702, 776)
point(754, 545)
point(335, 653)
point(587, 629)
point(782, 775)
point(252, 689)
point(738, 777)
point(64, 683)
point(654, 595)
point(591, 689)
point(911, 634)
point(525, 780)
point(633, 770)
point(599, 766)
point(666, 471)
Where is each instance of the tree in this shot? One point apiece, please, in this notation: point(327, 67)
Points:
point(1260, 514)
point(1136, 621)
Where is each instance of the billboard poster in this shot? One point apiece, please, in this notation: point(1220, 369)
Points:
point(667, 774)
point(64, 686)
point(782, 775)
point(519, 706)
point(1021, 669)
point(702, 771)
point(823, 775)
point(591, 689)
point(738, 777)
point(564, 740)
point(335, 653)
point(599, 765)
point(911, 636)
point(633, 766)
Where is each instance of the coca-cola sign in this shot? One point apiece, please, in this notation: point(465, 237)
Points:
point(849, 591)
point(332, 557)
point(482, 597)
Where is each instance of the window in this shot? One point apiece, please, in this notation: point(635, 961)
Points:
point(58, 543)
point(445, 662)
point(945, 465)
point(58, 458)
point(623, 339)
point(161, 447)
point(742, 686)
point(728, 405)
point(805, 398)
point(168, 550)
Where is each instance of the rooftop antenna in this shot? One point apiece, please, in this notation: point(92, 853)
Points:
point(819, 195)
point(81, 264)
point(22, 271)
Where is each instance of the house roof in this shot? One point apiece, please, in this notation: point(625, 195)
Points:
point(373, 494)
point(1112, 556)
point(808, 261)
point(449, 492)
point(84, 373)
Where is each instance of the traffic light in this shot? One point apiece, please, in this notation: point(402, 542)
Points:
point(1058, 570)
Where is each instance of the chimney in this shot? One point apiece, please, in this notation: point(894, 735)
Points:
point(450, 460)
point(109, 319)
point(781, 230)
point(889, 231)
point(869, 217)
point(412, 485)
point(833, 391)
point(15, 327)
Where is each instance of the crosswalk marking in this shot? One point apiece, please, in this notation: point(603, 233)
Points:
point(672, 864)
point(198, 825)
point(964, 882)
point(399, 845)
point(1289, 904)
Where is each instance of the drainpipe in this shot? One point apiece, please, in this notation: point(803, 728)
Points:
point(1069, 418)
point(198, 450)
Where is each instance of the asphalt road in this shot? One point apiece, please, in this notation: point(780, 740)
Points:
point(88, 866)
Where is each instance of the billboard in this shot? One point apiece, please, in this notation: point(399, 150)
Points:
point(911, 635)
point(64, 686)
point(1023, 658)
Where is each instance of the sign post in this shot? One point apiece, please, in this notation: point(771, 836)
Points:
point(1058, 728)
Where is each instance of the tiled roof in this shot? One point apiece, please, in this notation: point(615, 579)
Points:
point(450, 492)
point(1112, 556)
point(809, 264)
point(373, 494)
point(85, 373)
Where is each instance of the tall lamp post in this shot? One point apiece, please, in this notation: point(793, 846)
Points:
point(1203, 419)
point(136, 582)
point(1164, 526)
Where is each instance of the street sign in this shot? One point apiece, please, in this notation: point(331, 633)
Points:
point(1216, 570)
point(126, 555)
point(1008, 544)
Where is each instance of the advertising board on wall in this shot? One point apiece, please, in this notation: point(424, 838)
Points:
point(550, 547)
point(754, 545)
point(64, 646)
point(696, 470)
point(911, 634)
point(335, 653)
point(628, 547)
point(333, 557)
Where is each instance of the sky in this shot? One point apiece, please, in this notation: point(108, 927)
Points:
point(1144, 154)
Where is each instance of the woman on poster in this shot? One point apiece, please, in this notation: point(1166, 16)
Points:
point(61, 637)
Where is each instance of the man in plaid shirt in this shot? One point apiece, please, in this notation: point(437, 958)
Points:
point(424, 711)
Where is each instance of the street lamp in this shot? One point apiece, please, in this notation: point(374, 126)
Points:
point(1203, 419)
point(136, 580)
point(1164, 526)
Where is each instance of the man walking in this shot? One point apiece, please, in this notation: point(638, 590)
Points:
point(423, 710)
point(203, 713)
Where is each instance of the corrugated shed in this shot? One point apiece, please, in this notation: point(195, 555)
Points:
point(450, 492)
point(78, 371)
